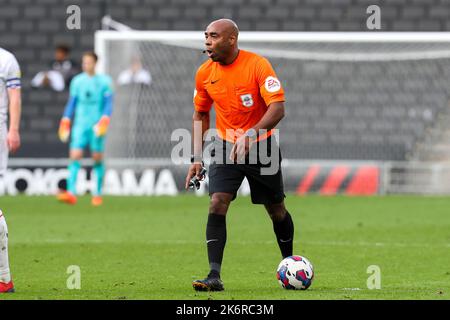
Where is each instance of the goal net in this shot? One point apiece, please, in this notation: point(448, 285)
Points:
point(349, 96)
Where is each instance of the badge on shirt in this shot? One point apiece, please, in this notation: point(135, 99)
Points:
point(272, 84)
point(247, 100)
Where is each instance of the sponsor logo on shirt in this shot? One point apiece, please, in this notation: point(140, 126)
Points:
point(272, 84)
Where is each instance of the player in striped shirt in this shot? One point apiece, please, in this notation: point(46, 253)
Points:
point(10, 100)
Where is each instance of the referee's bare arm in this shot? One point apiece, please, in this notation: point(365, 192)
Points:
point(274, 114)
point(15, 108)
point(200, 124)
point(270, 119)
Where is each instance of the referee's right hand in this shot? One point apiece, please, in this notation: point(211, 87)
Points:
point(194, 170)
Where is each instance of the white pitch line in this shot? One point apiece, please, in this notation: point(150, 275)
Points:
point(351, 289)
point(190, 242)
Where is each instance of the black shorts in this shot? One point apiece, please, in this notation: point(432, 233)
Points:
point(262, 172)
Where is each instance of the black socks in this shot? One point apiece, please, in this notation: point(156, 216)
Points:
point(284, 231)
point(216, 236)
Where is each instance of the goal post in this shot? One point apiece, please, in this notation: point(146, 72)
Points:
point(103, 36)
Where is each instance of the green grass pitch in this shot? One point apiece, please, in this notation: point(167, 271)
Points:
point(152, 248)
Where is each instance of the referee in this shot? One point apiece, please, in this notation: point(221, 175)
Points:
point(249, 102)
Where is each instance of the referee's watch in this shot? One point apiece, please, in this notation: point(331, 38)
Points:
point(251, 133)
point(196, 159)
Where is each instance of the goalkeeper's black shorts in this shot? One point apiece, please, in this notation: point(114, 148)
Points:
point(262, 171)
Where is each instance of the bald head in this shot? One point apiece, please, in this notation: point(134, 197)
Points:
point(221, 40)
point(225, 25)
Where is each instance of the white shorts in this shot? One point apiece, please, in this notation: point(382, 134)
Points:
point(4, 151)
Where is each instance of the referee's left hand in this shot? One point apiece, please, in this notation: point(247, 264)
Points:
point(194, 170)
point(241, 148)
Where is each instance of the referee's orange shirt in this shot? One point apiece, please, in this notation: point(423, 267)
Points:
point(241, 92)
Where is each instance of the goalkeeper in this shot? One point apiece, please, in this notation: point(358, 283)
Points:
point(90, 104)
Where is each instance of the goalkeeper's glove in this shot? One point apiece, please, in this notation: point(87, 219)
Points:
point(64, 129)
point(101, 127)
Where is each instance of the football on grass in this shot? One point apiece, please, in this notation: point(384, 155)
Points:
point(295, 272)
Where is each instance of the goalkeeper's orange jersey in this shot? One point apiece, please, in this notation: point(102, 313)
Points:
point(241, 92)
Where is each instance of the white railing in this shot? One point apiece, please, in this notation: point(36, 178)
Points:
point(415, 177)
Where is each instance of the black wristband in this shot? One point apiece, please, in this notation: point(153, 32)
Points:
point(196, 159)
